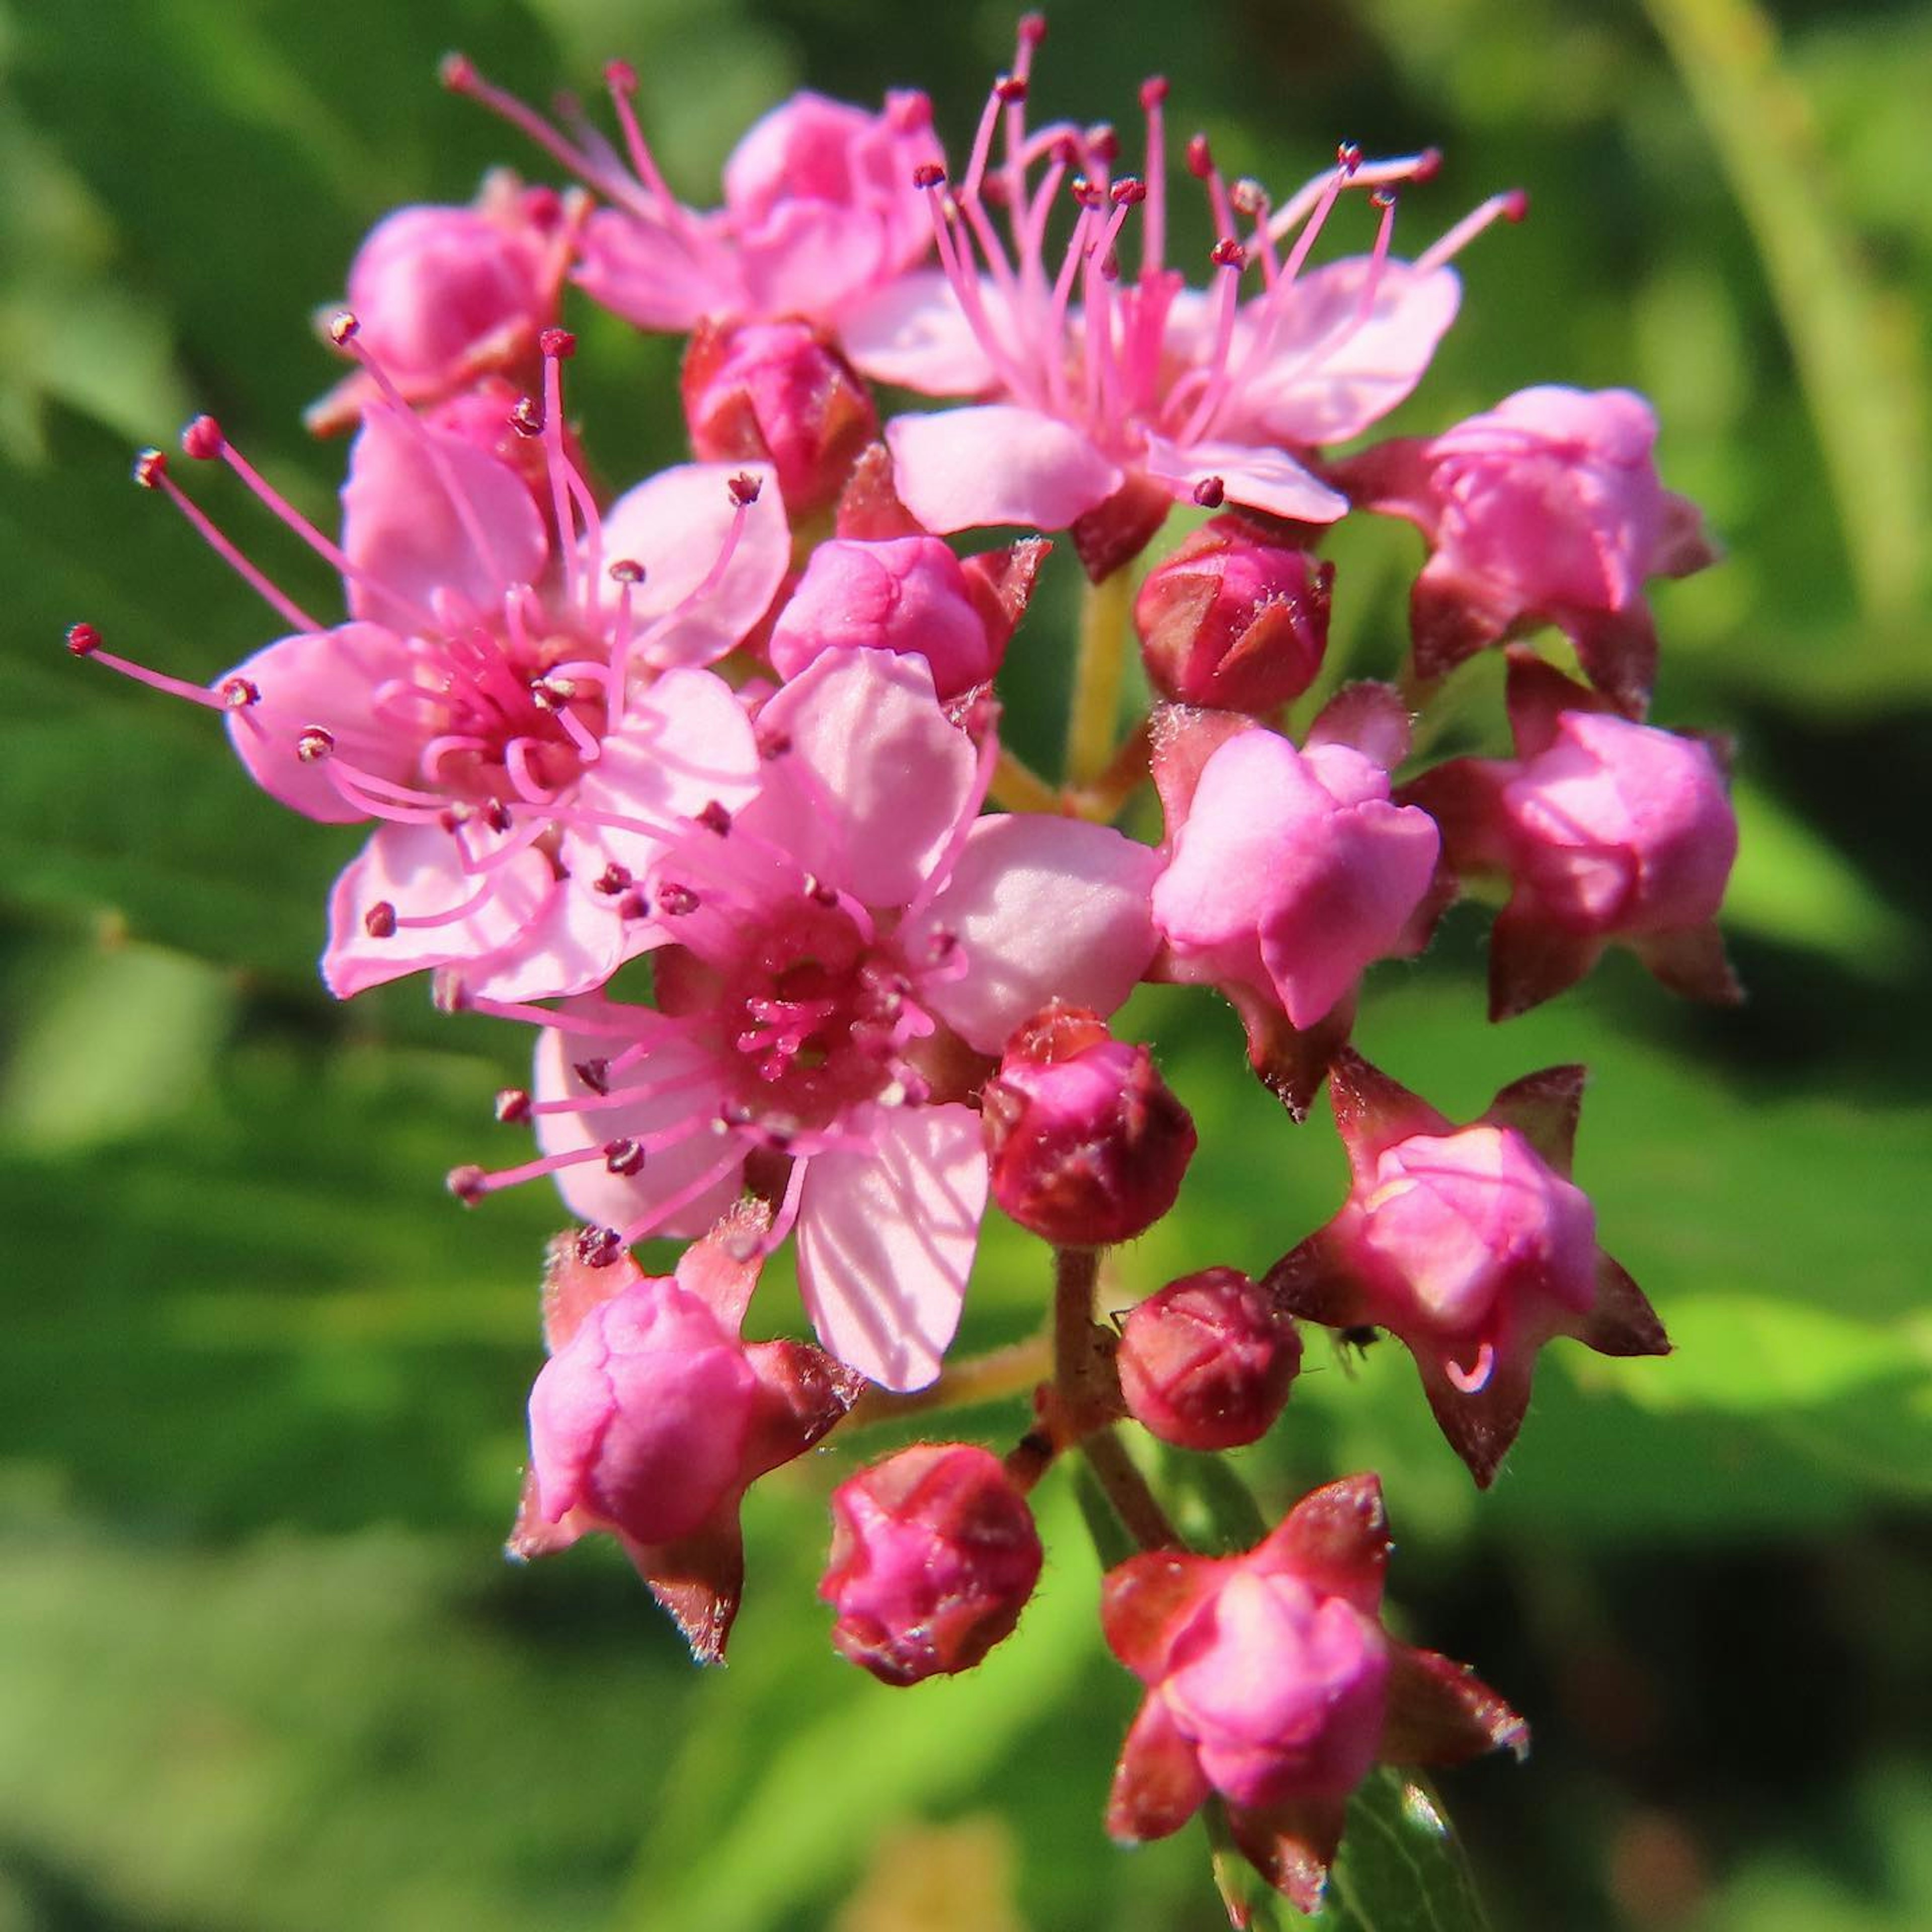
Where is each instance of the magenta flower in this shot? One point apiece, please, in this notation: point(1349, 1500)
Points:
point(1610, 832)
point(838, 962)
point(1547, 509)
point(820, 209)
point(522, 718)
point(934, 1556)
point(1110, 397)
point(1288, 872)
point(652, 1418)
point(446, 296)
point(1271, 1680)
point(1470, 1245)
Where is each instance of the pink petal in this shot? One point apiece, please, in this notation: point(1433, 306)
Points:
point(661, 275)
point(996, 464)
point(886, 1239)
point(1330, 375)
point(809, 258)
point(683, 742)
point(1262, 479)
point(875, 780)
point(416, 871)
point(675, 524)
point(329, 679)
point(590, 1190)
point(424, 512)
point(913, 332)
point(1043, 908)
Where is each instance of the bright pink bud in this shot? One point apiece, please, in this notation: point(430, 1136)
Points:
point(1208, 1361)
point(1467, 1233)
point(907, 595)
point(642, 1418)
point(1088, 1144)
point(1620, 829)
point(777, 392)
point(934, 1556)
point(1233, 619)
point(1270, 1680)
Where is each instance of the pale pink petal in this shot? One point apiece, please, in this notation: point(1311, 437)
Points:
point(416, 872)
point(329, 678)
point(913, 332)
point(809, 258)
point(873, 778)
point(1261, 479)
point(1331, 371)
point(423, 513)
point(684, 742)
point(1043, 908)
point(885, 1240)
point(675, 524)
point(661, 275)
point(684, 1091)
point(996, 464)
point(571, 942)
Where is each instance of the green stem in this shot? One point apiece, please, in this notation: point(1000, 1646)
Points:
point(1127, 1490)
point(996, 1376)
point(1105, 609)
point(1017, 786)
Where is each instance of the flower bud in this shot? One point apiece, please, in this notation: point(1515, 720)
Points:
point(1088, 1144)
point(641, 1418)
point(1618, 828)
point(934, 1556)
point(1233, 619)
point(777, 392)
point(1208, 1361)
point(907, 594)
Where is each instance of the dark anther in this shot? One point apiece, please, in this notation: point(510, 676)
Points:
point(676, 901)
point(313, 743)
point(83, 640)
point(714, 818)
point(238, 693)
point(596, 1074)
point(150, 467)
point(744, 488)
point(613, 880)
point(468, 1184)
point(379, 921)
point(624, 1157)
point(558, 342)
point(513, 1103)
point(202, 439)
point(598, 1247)
point(1210, 493)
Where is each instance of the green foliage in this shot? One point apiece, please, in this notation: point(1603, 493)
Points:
point(260, 1402)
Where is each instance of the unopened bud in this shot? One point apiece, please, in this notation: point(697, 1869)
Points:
point(1206, 1362)
point(1088, 1144)
point(934, 1556)
point(1234, 620)
point(778, 393)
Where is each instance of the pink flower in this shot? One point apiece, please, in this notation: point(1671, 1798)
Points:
point(1271, 1680)
point(1547, 509)
point(447, 295)
point(934, 1556)
point(522, 722)
point(1111, 396)
point(652, 1418)
point(1288, 872)
point(1470, 1245)
point(819, 209)
point(847, 952)
point(1611, 832)
point(907, 594)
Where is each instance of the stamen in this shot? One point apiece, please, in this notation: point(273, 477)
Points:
point(621, 79)
point(1511, 206)
point(84, 641)
point(1153, 233)
point(150, 471)
point(1383, 199)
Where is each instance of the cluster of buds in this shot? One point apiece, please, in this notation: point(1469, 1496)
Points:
point(742, 720)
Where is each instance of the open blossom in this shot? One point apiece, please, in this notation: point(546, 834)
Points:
point(495, 695)
point(1109, 395)
point(1547, 508)
point(446, 296)
point(652, 1417)
point(1288, 872)
point(819, 209)
point(1271, 1680)
point(1609, 831)
point(838, 962)
point(1470, 1245)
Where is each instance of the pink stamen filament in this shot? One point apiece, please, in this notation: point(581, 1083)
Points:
point(1377, 258)
point(209, 696)
point(277, 599)
point(643, 161)
point(704, 1075)
point(1367, 175)
point(1153, 214)
point(1510, 205)
point(955, 260)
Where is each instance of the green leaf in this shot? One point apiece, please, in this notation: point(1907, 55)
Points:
point(1402, 1868)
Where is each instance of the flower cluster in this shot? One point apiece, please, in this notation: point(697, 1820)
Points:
point(738, 728)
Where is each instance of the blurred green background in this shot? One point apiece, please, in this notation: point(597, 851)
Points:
point(261, 1667)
